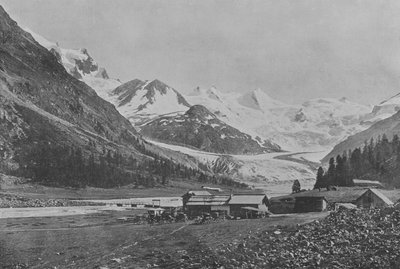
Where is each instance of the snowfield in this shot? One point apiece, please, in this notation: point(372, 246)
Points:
point(315, 125)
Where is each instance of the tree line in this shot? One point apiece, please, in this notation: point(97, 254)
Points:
point(377, 160)
point(65, 165)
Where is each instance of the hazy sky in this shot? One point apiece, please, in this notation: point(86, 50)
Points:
point(293, 50)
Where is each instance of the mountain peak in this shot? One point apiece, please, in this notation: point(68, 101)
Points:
point(259, 100)
point(158, 85)
point(138, 100)
point(199, 110)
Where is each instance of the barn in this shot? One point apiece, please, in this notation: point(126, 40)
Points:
point(187, 195)
point(287, 203)
point(198, 204)
point(242, 204)
point(361, 197)
point(373, 198)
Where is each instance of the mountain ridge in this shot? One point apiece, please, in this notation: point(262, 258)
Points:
point(200, 128)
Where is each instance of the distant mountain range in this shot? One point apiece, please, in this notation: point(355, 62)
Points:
point(257, 122)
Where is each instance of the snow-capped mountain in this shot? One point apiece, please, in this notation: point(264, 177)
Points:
point(201, 129)
point(315, 125)
point(258, 120)
point(81, 65)
point(139, 101)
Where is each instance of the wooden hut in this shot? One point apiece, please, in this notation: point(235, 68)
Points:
point(372, 198)
point(286, 204)
point(199, 204)
point(189, 194)
point(240, 204)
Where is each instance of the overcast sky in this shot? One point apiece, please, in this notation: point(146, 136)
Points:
point(293, 50)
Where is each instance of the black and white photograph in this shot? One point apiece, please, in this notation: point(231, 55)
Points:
point(199, 134)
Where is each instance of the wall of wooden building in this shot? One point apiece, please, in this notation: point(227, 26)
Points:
point(310, 204)
point(282, 205)
point(370, 200)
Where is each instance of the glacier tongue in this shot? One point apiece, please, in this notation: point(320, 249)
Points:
point(272, 172)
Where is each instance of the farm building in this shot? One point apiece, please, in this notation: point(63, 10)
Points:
point(367, 183)
point(310, 204)
point(372, 198)
point(286, 204)
point(344, 195)
point(245, 205)
point(199, 204)
point(186, 196)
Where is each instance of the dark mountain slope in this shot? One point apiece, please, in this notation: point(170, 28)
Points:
point(199, 128)
point(42, 107)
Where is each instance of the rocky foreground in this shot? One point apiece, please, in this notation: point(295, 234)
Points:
point(345, 239)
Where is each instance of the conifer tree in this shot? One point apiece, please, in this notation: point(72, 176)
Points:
point(296, 186)
point(320, 183)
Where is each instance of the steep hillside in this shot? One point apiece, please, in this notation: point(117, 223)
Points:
point(47, 115)
point(389, 126)
point(140, 101)
point(199, 128)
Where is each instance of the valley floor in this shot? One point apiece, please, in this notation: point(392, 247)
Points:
point(102, 241)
